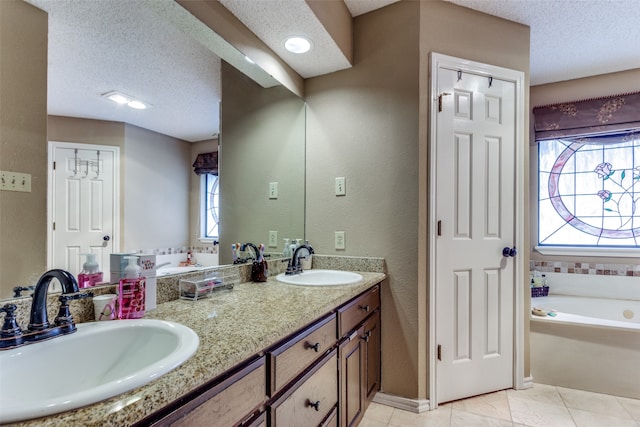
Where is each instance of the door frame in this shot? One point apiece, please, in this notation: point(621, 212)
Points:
point(436, 61)
point(51, 146)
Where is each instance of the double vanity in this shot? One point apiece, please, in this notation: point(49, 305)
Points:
point(269, 353)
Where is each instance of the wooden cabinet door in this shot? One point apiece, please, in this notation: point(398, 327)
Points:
point(352, 379)
point(371, 338)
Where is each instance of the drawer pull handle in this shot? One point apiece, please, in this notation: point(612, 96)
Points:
point(315, 405)
point(364, 308)
point(315, 346)
point(366, 336)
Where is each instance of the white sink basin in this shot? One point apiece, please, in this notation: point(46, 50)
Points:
point(100, 360)
point(320, 278)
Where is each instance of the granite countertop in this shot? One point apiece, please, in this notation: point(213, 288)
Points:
point(233, 326)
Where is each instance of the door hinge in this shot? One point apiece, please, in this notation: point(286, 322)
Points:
point(54, 165)
point(440, 100)
point(54, 226)
point(439, 228)
point(439, 352)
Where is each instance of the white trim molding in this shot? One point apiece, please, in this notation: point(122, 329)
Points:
point(527, 382)
point(589, 251)
point(416, 406)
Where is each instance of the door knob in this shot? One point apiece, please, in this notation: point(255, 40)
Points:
point(509, 252)
point(106, 238)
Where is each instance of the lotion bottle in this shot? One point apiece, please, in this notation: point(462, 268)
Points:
point(287, 250)
point(91, 274)
point(131, 302)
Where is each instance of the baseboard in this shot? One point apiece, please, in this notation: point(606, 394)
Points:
point(527, 383)
point(412, 405)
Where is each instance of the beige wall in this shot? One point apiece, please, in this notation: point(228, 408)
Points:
point(157, 172)
point(369, 124)
point(362, 124)
point(566, 91)
point(23, 141)
point(262, 141)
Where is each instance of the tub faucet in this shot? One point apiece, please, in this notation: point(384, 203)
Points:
point(294, 266)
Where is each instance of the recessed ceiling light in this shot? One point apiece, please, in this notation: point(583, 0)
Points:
point(123, 99)
point(118, 99)
point(137, 105)
point(297, 44)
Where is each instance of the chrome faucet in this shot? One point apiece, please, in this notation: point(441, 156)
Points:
point(39, 327)
point(294, 266)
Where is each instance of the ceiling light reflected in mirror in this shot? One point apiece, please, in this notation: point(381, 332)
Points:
point(122, 99)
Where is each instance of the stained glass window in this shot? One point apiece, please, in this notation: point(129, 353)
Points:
point(589, 191)
point(211, 206)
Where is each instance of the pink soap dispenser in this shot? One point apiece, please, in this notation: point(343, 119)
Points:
point(91, 274)
point(131, 291)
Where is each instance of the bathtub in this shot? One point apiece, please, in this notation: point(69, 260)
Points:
point(169, 264)
point(614, 313)
point(592, 344)
point(170, 270)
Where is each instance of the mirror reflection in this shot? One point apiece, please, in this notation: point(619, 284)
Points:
point(159, 208)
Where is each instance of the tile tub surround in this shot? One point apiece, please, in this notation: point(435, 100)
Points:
point(233, 326)
point(591, 268)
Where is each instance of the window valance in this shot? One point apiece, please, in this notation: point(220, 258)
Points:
point(591, 116)
point(206, 163)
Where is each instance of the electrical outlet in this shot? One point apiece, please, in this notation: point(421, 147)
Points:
point(341, 188)
point(15, 181)
point(273, 239)
point(339, 240)
point(273, 190)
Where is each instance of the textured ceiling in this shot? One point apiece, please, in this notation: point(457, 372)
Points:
point(130, 46)
point(573, 38)
point(156, 51)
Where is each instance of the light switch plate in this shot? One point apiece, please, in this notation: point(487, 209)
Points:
point(15, 181)
point(273, 239)
point(341, 189)
point(339, 240)
point(273, 190)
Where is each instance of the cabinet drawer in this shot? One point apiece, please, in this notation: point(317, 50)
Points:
point(353, 313)
point(311, 399)
point(294, 356)
point(228, 403)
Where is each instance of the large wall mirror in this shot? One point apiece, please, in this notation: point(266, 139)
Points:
point(262, 141)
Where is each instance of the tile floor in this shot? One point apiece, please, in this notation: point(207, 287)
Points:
point(540, 406)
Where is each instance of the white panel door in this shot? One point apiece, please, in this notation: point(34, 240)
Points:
point(83, 192)
point(475, 208)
